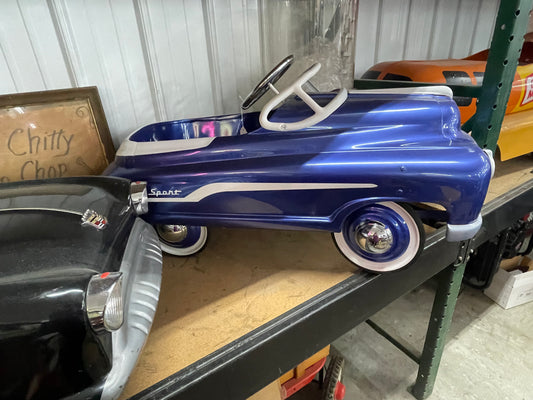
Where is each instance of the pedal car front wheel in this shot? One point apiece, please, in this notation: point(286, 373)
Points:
point(181, 240)
point(381, 237)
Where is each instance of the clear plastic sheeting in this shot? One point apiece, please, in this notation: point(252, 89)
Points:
point(313, 31)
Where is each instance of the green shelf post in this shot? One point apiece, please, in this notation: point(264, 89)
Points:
point(505, 48)
point(449, 282)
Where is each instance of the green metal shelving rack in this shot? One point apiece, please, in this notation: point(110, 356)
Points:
point(485, 125)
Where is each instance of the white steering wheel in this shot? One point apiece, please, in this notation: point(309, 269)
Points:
point(320, 113)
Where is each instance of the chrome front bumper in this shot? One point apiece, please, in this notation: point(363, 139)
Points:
point(141, 269)
point(456, 233)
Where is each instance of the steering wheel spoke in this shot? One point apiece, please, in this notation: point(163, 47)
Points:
point(273, 88)
point(308, 100)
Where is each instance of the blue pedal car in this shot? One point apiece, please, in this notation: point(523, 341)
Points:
point(358, 164)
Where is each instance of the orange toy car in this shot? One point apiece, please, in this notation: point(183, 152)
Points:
point(516, 136)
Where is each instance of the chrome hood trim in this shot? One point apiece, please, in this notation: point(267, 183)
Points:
point(141, 268)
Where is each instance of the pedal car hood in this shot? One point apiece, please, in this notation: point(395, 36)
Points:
point(49, 213)
point(48, 258)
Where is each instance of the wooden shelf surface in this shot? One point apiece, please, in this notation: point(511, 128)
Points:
point(509, 175)
point(241, 280)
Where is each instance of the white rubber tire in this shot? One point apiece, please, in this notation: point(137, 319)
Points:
point(404, 259)
point(186, 251)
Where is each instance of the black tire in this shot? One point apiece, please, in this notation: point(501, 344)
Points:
point(333, 376)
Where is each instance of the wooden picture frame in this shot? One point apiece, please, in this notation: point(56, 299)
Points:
point(52, 134)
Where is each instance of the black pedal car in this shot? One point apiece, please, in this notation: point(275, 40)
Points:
point(80, 275)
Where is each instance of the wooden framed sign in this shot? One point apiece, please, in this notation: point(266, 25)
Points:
point(53, 133)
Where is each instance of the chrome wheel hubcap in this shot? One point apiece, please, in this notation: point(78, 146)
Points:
point(373, 237)
point(172, 233)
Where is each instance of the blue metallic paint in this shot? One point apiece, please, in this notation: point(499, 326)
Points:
point(410, 146)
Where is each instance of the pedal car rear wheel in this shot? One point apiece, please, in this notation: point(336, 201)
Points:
point(381, 237)
point(181, 240)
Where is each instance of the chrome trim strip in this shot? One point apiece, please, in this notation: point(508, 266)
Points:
point(141, 266)
point(42, 209)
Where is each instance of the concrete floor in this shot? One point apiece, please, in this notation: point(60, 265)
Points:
point(489, 351)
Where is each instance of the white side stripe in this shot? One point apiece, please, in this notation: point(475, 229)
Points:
point(435, 90)
point(225, 187)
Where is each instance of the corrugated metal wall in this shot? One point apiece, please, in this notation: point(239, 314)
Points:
point(389, 30)
point(151, 59)
point(164, 59)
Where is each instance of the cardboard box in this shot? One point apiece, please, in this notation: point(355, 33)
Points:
point(511, 286)
point(269, 392)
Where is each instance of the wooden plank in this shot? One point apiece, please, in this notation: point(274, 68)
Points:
point(510, 174)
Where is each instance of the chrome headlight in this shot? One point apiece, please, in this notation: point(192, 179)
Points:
point(105, 308)
point(139, 197)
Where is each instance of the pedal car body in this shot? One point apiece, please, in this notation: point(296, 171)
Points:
point(515, 139)
point(353, 173)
